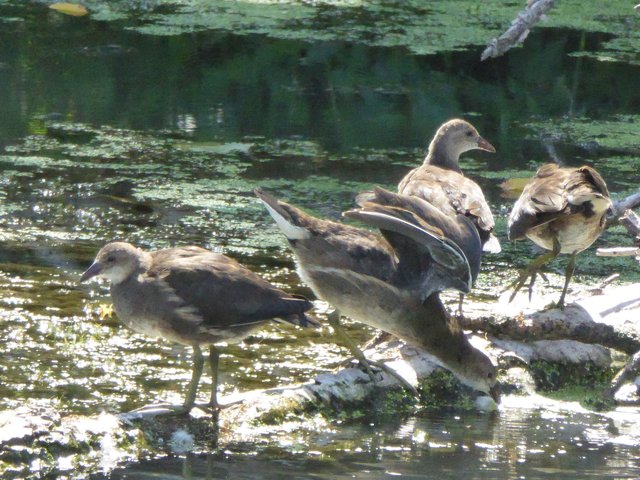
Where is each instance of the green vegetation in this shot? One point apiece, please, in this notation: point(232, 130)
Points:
point(584, 382)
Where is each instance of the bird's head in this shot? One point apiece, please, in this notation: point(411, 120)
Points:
point(116, 262)
point(476, 370)
point(452, 139)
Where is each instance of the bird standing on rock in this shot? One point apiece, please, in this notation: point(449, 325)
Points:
point(192, 296)
point(391, 281)
point(562, 210)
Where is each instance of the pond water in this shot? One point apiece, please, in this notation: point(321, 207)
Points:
point(111, 129)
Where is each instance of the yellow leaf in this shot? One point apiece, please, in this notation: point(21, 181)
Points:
point(105, 310)
point(512, 187)
point(73, 9)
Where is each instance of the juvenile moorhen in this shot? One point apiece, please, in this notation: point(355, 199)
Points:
point(192, 296)
point(439, 180)
point(391, 281)
point(562, 210)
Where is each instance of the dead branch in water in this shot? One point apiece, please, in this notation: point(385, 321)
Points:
point(621, 213)
point(518, 30)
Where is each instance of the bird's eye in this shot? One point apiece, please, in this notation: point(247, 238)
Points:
point(469, 133)
point(111, 259)
point(489, 375)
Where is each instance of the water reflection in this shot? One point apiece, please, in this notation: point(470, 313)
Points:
point(518, 443)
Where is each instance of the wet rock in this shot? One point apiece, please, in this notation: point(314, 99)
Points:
point(39, 442)
point(629, 393)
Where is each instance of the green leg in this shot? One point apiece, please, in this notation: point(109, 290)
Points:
point(198, 363)
point(571, 267)
point(461, 299)
point(532, 270)
point(532, 283)
point(347, 341)
point(214, 356)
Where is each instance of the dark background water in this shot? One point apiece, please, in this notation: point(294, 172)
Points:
point(112, 134)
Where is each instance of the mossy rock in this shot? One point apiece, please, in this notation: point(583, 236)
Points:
point(442, 389)
point(583, 382)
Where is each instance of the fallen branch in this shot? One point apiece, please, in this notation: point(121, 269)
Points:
point(618, 252)
point(621, 208)
point(631, 369)
point(518, 30)
point(608, 320)
point(631, 221)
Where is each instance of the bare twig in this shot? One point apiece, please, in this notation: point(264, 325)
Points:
point(631, 221)
point(518, 30)
point(632, 368)
point(618, 252)
point(620, 207)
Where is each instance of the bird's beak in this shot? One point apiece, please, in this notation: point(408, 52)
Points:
point(494, 392)
point(91, 272)
point(486, 146)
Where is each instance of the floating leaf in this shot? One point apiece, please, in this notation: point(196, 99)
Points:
point(73, 9)
point(105, 310)
point(512, 187)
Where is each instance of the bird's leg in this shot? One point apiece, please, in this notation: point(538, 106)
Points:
point(214, 356)
point(461, 299)
point(347, 341)
point(571, 266)
point(381, 337)
point(198, 363)
point(532, 269)
point(531, 283)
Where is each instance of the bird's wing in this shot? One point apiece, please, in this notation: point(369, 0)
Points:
point(543, 200)
point(428, 243)
point(223, 293)
point(451, 192)
point(586, 185)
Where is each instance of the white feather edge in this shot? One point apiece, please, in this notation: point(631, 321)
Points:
point(290, 231)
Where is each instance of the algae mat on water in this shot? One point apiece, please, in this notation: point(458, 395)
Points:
point(422, 27)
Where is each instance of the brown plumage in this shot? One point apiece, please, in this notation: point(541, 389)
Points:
point(388, 282)
point(561, 210)
point(434, 252)
point(440, 181)
point(192, 296)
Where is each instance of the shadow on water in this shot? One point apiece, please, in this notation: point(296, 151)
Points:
point(159, 140)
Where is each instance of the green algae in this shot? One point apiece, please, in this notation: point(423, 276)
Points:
point(619, 133)
point(423, 29)
point(584, 382)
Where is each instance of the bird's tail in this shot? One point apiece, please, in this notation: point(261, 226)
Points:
point(289, 219)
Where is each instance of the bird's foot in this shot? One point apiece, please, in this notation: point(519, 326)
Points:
point(532, 271)
point(516, 285)
point(390, 371)
point(216, 407)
